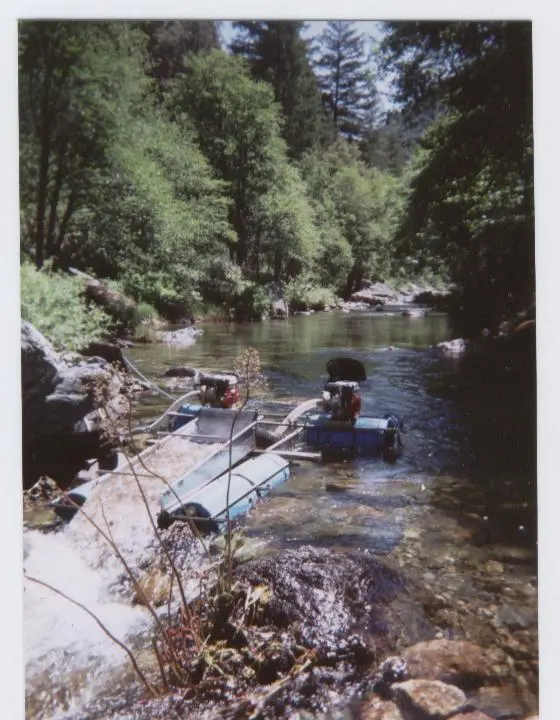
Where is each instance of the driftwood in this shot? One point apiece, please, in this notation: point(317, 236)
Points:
point(117, 305)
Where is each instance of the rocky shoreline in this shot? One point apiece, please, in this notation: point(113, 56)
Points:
point(314, 634)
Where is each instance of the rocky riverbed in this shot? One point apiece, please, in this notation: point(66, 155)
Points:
point(316, 633)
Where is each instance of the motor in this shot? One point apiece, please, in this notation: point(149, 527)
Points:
point(341, 400)
point(218, 390)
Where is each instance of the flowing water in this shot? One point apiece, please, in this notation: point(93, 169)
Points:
point(455, 515)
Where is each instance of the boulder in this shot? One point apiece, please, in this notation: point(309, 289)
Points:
point(279, 308)
point(180, 338)
point(110, 352)
point(60, 394)
point(501, 702)
point(326, 594)
point(429, 698)
point(378, 709)
point(117, 305)
point(457, 662)
point(376, 294)
point(183, 371)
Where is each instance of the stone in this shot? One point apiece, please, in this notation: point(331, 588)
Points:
point(179, 338)
point(376, 294)
point(472, 715)
point(457, 662)
point(183, 371)
point(512, 618)
point(326, 594)
point(430, 698)
point(279, 308)
point(154, 585)
point(500, 702)
point(57, 397)
point(452, 347)
point(378, 709)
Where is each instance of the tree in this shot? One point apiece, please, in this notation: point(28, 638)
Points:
point(237, 126)
point(472, 194)
point(69, 76)
point(170, 41)
point(277, 54)
point(108, 182)
point(346, 82)
point(357, 209)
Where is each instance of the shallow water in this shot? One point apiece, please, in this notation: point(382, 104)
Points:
point(456, 514)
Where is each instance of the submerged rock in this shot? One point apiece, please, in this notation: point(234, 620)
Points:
point(457, 662)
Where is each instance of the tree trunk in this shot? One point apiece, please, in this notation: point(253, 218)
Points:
point(59, 176)
point(42, 183)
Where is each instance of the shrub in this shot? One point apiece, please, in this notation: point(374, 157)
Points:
point(301, 294)
point(55, 305)
point(146, 313)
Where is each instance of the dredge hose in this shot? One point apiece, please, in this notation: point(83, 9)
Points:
point(134, 369)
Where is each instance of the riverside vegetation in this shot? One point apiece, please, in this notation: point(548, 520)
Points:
point(197, 178)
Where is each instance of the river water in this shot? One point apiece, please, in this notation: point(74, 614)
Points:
point(456, 515)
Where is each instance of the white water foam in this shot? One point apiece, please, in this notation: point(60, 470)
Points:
point(69, 658)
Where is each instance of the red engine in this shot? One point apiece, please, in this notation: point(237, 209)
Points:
point(341, 400)
point(218, 390)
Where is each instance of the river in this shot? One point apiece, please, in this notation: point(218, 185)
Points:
point(456, 515)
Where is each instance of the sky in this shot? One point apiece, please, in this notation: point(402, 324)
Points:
point(367, 27)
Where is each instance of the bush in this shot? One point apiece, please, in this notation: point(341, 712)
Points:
point(146, 313)
point(301, 294)
point(54, 303)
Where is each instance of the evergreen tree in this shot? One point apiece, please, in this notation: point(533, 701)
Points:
point(346, 82)
point(170, 41)
point(278, 54)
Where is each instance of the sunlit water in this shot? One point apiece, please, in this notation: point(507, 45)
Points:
point(462, 495)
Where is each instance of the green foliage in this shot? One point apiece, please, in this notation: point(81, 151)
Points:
point(238, 128)
point(170, 41)
point(146, 312)
point(55, 305)
point(471, 205)
point(303, 294)
point(358, 208)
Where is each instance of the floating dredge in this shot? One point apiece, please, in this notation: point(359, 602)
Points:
point(255, 446)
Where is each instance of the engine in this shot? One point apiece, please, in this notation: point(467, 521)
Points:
point(341, 400)
point(218, 390)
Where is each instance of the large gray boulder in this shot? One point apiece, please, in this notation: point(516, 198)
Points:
point(60, 420)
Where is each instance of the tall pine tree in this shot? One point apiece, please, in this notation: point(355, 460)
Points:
point(345, 79)
point(278, 54)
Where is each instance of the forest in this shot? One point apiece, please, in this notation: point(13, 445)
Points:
point(199, 177)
